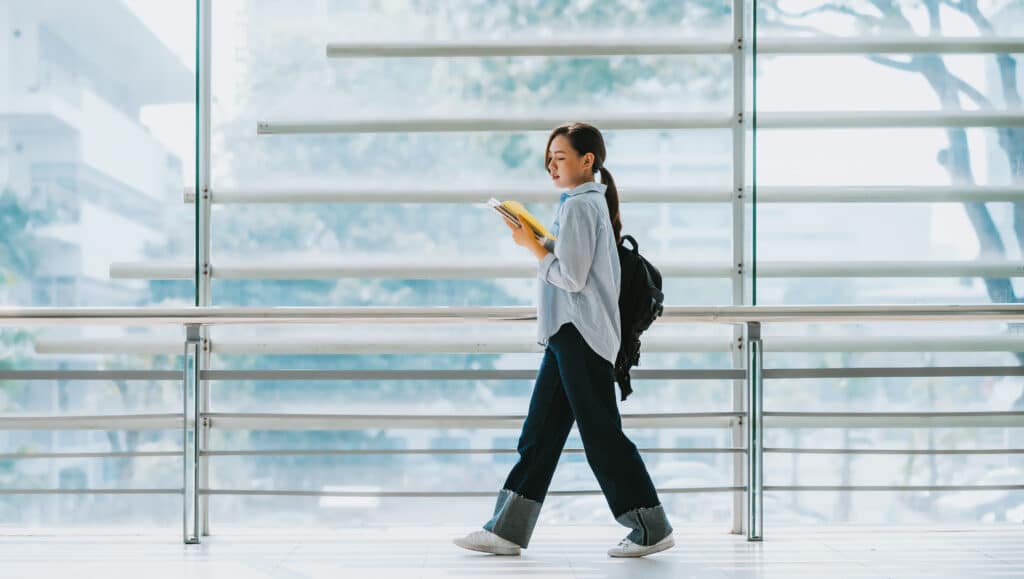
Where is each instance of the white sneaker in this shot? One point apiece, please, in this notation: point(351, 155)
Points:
point(627, 548)
point(487, 542)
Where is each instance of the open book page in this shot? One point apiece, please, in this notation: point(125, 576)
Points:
point(516, 213)
point(497, 206)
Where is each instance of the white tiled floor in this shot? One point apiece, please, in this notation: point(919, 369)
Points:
point(567, 551)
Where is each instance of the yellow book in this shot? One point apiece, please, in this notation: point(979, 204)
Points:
point(516, 213)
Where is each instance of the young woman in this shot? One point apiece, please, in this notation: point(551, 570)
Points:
point(578, 323)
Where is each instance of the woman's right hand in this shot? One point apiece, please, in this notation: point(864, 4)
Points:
point(521, 234)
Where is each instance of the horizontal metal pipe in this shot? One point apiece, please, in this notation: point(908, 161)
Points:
point(409, 343)
point(495, 122)
point(532, 193)
point(886, 119)
point(900, 414)
point(893, 419)
point(894, 487)
point(108, 345)
point(593, 46)
point(103, 422)
point(90, 374)
point(267, 421)
point(651, 194)
point(940, 371)
point(889, 194)
point(918, 343)
point(385, 268)
point(651, 121)
point(435, 494)
point(636, 374)
point(366, 494)
point(891, 269)
point(508, 374)
point(129, 316)
point(445, 451)
point(463, 268)
point(499, 341)
point(278, 421)
point(135, 454)
point(890, 45)
point(442, 494)
point(666, 46)
point(152, 270)
point(91, 491)
point(295, 267)
point(899, 451)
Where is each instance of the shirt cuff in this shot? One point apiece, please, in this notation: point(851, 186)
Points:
point(545, 265)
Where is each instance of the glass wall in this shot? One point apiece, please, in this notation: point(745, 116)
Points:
point(96, 143)
point(863, 208)
point(270, 66)
point(803, 164)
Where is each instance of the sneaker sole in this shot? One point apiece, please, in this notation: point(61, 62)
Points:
point(491, 550)
point(654, 549)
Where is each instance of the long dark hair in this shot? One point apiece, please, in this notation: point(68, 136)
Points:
point(585, 138)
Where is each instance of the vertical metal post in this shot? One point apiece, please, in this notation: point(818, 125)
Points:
point(738, 248)
point(204, 434)
point(190, 436)
point(203, 225)
point(755, 432)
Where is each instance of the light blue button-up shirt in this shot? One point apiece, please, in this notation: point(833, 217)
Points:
point(579, 280)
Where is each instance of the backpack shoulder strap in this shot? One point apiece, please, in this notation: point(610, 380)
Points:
point(632, 240)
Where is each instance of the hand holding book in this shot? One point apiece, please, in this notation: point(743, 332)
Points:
point(514, 212)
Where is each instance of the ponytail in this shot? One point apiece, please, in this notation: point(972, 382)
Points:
point(611, 195)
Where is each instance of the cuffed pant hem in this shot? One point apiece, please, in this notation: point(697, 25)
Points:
point(649, 524)
point(514, 518)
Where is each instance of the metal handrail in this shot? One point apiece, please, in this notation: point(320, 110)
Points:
point(19, 316)
point(755, 420)
point(411, 342)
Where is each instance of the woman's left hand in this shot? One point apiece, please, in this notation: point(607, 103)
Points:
point(522, 235)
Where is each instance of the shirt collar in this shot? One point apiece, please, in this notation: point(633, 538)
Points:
point(583, 188)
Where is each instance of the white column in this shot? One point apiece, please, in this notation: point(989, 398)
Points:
point(202, 185)
point(739, 196)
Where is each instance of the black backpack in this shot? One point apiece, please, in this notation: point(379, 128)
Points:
point(640, 303)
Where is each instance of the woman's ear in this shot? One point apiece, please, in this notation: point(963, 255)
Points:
point(588, 161)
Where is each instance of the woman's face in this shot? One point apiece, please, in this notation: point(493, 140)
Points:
point(567, 167)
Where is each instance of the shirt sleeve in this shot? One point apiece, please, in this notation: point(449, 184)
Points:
point(569, 265)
